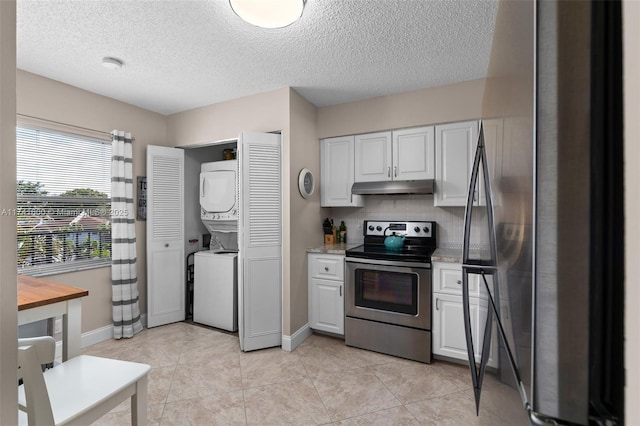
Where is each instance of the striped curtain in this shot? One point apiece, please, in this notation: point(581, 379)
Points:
point(124, 276)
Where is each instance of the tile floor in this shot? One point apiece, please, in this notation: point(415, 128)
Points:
point(199, 376)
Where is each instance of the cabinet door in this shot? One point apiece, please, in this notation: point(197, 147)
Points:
point(482, 309)
point(337, 173)
point(327, 305)
point(455, 148)
point(373, 157)
point(447, 278)
point(414, 154)
point(448, 328)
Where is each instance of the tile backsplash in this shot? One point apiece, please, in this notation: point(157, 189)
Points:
point(449, 220)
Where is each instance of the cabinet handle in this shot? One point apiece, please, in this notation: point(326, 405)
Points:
point(166, 244)
point(340, 291)
point(459, 282)
point(389, 171)
point(437, 306)
point(395, 171)
point(326, 269)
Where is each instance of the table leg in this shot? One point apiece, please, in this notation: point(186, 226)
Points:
point(71, 330)
point(139, 403)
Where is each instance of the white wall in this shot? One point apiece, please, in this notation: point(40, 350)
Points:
point(51, 100)
point(631, 41)
point(305, 214)
point(453, 102)
point(8, 280)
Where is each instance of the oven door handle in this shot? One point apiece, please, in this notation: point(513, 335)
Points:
point(417, 265)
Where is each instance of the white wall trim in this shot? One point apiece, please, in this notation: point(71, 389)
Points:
point(289, 343)
point(95, 336)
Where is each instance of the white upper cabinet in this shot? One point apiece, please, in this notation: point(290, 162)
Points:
point(493, 141)
point(455, 149)
point(413, 152)
point(373, 157)
point(399, 155)
point(337, 173)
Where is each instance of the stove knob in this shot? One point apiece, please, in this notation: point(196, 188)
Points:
point(379, 228)
point(371, 228)
point(425, 229)
point(417, 229)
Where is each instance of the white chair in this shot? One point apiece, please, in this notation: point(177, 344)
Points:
point(80, 390)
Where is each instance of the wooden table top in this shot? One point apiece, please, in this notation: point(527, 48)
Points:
point(34, 292)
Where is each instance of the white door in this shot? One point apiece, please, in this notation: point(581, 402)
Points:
point(373, 157)
point(260, 236)
point(414, 154)
point(455, 149)
point(165, 236)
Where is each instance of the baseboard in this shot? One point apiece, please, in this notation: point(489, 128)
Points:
point(289, 343)
point(97, 335)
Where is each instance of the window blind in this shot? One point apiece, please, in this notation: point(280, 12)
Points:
point(63, 207)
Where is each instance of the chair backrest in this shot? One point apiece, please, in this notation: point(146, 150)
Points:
point(36, 397)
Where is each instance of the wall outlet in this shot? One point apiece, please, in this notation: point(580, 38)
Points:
point(57, 328)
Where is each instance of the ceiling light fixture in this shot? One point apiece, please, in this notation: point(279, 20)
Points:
point(111, 63)
point(268, 13)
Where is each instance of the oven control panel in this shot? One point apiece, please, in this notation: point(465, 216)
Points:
point(408, 229)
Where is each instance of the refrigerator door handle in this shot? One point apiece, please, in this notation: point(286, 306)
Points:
point(477, 382)
point(477, 371)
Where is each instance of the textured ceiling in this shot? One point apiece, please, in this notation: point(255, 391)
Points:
point(180, 55)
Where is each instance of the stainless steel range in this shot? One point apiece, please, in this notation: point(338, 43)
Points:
point(388, 291)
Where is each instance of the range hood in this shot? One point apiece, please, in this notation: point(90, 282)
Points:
point(393, 187)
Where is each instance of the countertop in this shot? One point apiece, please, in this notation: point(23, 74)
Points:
point(447, 255)
point(332, 248)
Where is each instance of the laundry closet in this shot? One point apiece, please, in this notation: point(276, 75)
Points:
point(230, 205)
point(214, 292)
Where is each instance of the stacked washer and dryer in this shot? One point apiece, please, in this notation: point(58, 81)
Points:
point(215, 288)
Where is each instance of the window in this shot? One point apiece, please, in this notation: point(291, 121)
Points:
point(63, 202)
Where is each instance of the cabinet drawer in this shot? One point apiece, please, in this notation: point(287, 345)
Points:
point(329, 267)
point(447, 278)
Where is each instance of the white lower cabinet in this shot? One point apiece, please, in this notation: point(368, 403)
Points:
point(326, 292)
point(448, 336)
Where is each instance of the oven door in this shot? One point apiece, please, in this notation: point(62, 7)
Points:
point(391, 292)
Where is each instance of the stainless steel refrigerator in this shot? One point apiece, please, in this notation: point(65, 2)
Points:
point(543, 224)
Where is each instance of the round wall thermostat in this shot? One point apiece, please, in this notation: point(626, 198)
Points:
point(306, 183)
